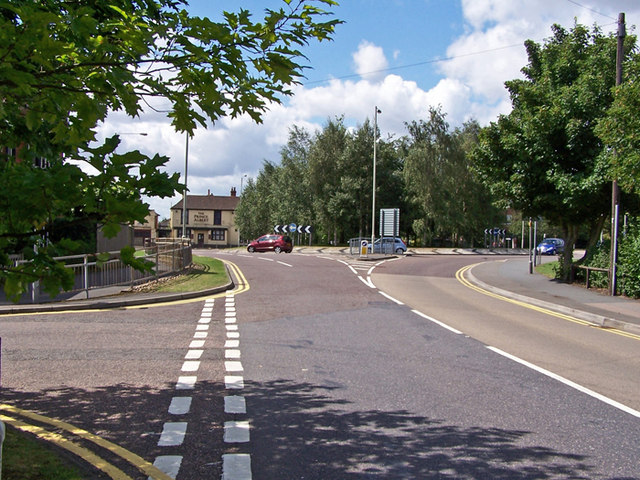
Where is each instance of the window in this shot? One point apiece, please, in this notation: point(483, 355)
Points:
point(217, 234)
point(217, 217)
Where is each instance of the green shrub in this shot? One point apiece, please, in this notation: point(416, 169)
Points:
point(629, 264)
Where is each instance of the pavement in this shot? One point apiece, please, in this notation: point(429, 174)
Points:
point(508, 277)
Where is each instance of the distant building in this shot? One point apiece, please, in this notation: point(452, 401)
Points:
point(211, 220)
point(144, 232)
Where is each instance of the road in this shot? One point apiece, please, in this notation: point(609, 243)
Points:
point(339, 381)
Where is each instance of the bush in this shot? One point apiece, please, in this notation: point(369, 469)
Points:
point(629, 264)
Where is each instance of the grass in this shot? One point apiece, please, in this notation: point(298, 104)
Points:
point(209, 273)
point(548, 269)
point(24, 458)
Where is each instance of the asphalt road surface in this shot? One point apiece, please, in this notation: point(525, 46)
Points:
point(313, 373)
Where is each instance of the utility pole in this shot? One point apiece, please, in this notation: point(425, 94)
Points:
point(615, 193)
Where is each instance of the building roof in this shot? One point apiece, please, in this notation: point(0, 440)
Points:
point(209, 202)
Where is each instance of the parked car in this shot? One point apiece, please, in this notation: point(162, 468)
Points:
point(550, 246)
point(389, 245)
point(277, 243)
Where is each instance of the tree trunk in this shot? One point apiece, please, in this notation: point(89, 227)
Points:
point(570, 235)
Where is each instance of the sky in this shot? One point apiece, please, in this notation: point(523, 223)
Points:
point(401, 56)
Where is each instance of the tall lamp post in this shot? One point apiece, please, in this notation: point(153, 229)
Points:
point(376, 111)
point(184, 193)
point(241, 184)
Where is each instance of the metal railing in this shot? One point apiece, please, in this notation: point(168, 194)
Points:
point(165, 255)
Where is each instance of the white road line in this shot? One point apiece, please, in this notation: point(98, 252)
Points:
point(233, 366)
point(186, 383)
point(173, 434)
point(231, 343)
point(266, 259)
point(231, 353)
point(285, 264)
point(206, 314)
point(437, 322)
point(204, 320)
point(233, 334)
point(196, 344)
point(233, 382)
point(367, 283)
point(200, 335)
point(230, 320)
point(193, 354)
point(235, 404)
point(236, 432)
point(190, 366)
point(236, 466)
point(169, 464)
point(233, 327)
point(202, 327)
point(390, 298)
point(180, 405)
point(568, 382)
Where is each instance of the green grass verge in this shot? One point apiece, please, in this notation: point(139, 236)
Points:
point(25, 458)
point(210, 273)
point(548, 269)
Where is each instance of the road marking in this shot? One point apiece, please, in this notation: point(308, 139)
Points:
point(236, 432)
point(190, 366)
point(202, 327)
point(135, 460)
point(366, 282)
point(200, 335)
point(233, 382)
point(173, 434)
point(231, 343)
point(568, 382)
point(390, 297)
point(233, 366)
point(460, 277)
point(204, 320)
point(180, 405)
point(236, 466)
point(285, 264)
point(193, 354)
point(235, 404)
point(437, 322)
point(169, 464)
point(230, 320)
point(186, 383)
point(196, 344)
point(231, 327)
point(232, 353)
point(233, 335)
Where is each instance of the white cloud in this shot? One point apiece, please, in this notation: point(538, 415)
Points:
point(369, 61)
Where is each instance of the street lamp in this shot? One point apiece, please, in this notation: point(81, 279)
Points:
point(241, 182)
point(184, 194)
point(376, 111)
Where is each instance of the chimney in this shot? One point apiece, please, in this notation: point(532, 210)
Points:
point(233, 191)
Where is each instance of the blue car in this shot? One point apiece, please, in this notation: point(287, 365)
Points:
point(389, 245)
point(550, 246)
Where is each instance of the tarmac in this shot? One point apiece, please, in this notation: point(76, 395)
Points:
point(508, 277)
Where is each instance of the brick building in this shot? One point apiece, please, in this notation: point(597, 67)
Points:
point(210, 220)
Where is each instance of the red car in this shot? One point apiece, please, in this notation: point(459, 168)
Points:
point(277, 243)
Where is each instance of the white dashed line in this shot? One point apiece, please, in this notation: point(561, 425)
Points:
point(235, 404)
point(232, 353)
point(173, 434)
point(236, 432)
point(233, 382)
point(169, 464)
point(186, 383)
point(233, 366)
point(190, 366)
point(236, 466)
point(180, 405)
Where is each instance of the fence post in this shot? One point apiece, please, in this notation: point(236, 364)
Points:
point(85, 273)
point(157, 261)
point(2, 433)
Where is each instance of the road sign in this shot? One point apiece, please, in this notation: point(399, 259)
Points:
point(389, 222)
point(293, 228)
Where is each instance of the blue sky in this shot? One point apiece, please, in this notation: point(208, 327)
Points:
point(405, 42)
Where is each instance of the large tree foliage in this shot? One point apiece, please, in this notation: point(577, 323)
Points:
point(64, 65)
point(620, 129)
point(543, 158)
point(449, 199)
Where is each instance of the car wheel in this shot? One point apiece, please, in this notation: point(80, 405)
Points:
point(277, 249)
point(399, 250)
point(251, 249)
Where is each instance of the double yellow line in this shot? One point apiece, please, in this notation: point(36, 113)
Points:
point(461, 278)
point(84, 453)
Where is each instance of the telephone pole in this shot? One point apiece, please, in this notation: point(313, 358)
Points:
point(615, 193)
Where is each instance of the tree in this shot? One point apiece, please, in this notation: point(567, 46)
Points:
point(65, 65)
point(620, 129)
point(543, 158)
point(449, 197)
